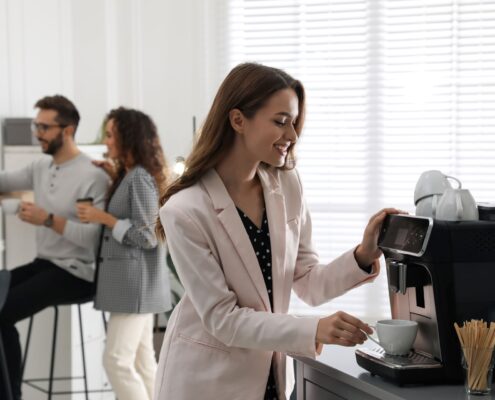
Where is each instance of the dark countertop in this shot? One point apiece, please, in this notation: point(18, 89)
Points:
point(340, 364)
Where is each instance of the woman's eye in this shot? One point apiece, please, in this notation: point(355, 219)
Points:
point(280, 123)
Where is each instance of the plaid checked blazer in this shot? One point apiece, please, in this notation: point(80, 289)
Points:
point(132, 275)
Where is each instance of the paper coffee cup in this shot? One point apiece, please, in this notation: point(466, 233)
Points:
point(85, 200)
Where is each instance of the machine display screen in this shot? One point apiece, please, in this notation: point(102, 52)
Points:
point(405, 234)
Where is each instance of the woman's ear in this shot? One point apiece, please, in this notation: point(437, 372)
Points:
point(237, 120)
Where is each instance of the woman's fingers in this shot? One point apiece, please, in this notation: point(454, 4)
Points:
point(384, 211)
point(342, 328)
point(352, 332)
point(82, 211)
point(356, 337)
point(354, 321)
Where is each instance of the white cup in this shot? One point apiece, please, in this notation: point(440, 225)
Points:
point(432, 182)
point(457, 205)
point(427, 206)
point(10, 206)
point(395, 336)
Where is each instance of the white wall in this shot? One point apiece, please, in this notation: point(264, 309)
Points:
point(148, 54)
point(155, 55)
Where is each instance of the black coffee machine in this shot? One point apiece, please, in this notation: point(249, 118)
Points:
point(439, 272)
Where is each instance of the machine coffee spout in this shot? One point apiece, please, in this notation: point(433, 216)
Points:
point(397, 273)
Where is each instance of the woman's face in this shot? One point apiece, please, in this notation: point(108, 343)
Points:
point(269, 133)
point(111, 140)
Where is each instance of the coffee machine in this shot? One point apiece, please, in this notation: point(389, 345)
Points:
point(439, 273)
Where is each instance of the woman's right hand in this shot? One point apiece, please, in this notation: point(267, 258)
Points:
point(342, 329)
point(107, 166)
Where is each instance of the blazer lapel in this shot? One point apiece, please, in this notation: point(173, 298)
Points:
point(232, 223)
point(277, 223)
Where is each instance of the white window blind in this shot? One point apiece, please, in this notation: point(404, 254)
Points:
point(394, 87)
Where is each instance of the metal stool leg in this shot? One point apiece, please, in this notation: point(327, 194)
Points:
point(26, 347)
point(104, 321)
point(51, 392)
point(85, 378)
point(54, 342)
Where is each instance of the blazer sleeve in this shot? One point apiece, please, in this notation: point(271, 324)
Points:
point(204, 282)
point(316, 283)
point(139, 230)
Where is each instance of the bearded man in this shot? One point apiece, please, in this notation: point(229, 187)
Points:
point(63, 270)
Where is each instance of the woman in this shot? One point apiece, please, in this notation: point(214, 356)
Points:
point(239, 234)
point(132, 277)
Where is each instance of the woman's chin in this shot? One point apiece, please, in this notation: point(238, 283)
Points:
point(275, 163)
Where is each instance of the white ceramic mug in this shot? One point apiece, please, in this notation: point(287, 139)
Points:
point(11, 206)
point(427, 206)
point(395, 336)
point(457, 205)
point(432, 182)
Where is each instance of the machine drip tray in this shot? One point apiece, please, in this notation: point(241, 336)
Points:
point(412, 361)
point(411, 369)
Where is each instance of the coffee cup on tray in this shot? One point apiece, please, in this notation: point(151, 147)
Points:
point(395, 336)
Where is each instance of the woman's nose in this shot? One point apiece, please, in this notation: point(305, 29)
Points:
point(291, 134)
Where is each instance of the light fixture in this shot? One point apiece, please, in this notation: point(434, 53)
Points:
point(179, 166)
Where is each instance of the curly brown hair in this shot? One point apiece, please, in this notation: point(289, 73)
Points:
point(138, 143)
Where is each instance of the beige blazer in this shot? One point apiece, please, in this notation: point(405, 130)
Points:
point(223, 334)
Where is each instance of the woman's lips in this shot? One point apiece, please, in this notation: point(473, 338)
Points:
point(282, 149)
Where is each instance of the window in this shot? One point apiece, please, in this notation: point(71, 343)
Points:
point(394, 88)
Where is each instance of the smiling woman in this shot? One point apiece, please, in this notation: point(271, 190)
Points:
point(132, 278)
point(239, 234)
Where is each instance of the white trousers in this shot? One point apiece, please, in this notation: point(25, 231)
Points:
point(129, 357)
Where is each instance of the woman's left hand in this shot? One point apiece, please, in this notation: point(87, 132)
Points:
point(87, 213)
point(368, 250)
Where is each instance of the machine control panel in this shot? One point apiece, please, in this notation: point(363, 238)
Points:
point(405, 234)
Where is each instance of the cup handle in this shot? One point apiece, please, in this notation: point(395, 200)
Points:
point(455, 179)
point(371, 337)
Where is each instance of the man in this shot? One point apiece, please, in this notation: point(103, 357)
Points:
point(63, 270)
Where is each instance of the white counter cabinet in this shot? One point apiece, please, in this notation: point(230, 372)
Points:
point(335, 375)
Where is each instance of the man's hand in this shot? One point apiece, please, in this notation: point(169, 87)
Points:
point(31, 213)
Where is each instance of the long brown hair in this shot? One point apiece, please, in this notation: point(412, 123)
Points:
point(247, 88)
point(138, 142)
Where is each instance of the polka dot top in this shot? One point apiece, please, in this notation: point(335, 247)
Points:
point(260, 240)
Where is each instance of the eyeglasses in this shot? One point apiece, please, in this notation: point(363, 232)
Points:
point(43, 128)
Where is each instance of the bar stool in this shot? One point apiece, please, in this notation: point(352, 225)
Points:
point(5, 378)
point(50, 392)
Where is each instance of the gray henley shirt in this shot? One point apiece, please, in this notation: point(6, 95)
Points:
point(56, 189)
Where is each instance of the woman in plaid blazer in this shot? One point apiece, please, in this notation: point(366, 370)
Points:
point(132, 276)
